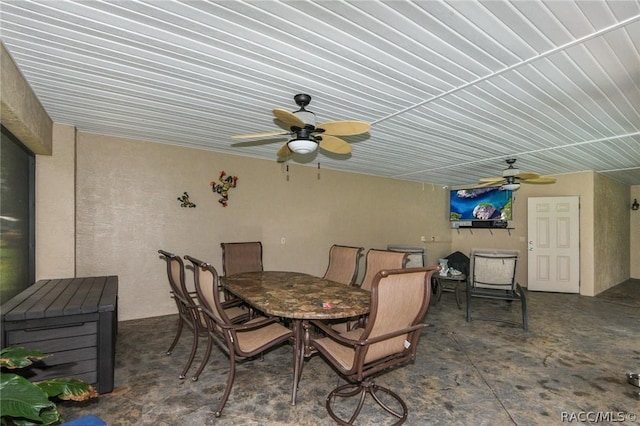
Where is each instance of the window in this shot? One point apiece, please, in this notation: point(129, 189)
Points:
point(17, 216)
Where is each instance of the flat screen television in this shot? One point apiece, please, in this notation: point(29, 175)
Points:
point(491, 203)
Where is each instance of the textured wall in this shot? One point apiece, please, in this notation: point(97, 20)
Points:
point(127, 209)
point(634, 240)
point(55, 207)
point(611, 233)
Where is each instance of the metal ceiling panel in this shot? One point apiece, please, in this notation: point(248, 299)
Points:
point(451, 88)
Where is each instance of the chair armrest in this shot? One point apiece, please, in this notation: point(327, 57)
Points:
point(333, 334)
point(249, 326)
point(190, 303)
point(339, 338)
point(391, 335)
point(232, 303)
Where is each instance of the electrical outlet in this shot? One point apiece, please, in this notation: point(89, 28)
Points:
point(423, 238)
point(283, 240)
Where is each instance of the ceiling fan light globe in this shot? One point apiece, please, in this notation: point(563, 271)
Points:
point(510, 186)
point(302, 146)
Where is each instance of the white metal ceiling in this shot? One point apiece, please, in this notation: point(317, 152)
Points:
point(451, 88)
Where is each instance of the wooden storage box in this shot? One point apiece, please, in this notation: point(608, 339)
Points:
point(74, 320)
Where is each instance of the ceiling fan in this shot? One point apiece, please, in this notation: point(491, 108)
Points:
point(512, 178)
point(303, 134)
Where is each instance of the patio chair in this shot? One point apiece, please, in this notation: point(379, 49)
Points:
point(343, 264)
point(189, 313)
point(241, 257)
point(377, 260)
point(493, 276)
point(399, 302)
point(238, 341)
point(238, 258)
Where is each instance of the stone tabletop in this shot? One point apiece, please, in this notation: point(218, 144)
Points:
point(298, 295)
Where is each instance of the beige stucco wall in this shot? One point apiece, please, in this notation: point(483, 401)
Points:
point(611, 233)
point(634, 240)
point(55, 207)
point(127, 209)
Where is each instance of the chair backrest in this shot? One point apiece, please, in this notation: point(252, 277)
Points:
point(343, 264)
point(187, 306)
point(175, 273)
point(399, 301)
point(241, 257)
point(494, 268)
point(208, 291)
point(377, 260)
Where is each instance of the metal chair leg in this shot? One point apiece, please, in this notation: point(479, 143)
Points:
point(523, 300)
point(468, 303)
point(178, 334)
point(205, 359)
point(227, 390)
point(192, 355)
point(361, 390)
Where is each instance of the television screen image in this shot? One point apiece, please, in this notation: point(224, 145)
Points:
point(492, 203)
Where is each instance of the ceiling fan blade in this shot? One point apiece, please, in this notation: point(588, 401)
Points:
point(261, 135)
point(345, 127)
point(284, 150)
point(258, 142)
point(491, 179)
point(540, 180)
point(526, 176)
point(334, 144)
point(287, 117)
point(489, 183)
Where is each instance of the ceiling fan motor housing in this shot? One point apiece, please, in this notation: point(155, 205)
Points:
point(305, 133)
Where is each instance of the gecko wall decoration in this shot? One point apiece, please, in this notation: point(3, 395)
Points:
point(222, 188)
point(185, 201)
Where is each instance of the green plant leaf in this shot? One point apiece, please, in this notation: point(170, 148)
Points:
point(68, 389)
point(19, 357)
point(48, 415)
point(19, 398)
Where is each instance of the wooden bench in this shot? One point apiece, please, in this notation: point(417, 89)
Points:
point(74, 320)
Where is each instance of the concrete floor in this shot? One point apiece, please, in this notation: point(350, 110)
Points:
point(572, 363)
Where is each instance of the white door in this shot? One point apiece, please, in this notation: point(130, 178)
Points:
point(554, 244)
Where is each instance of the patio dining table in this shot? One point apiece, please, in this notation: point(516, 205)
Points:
point(300, 297)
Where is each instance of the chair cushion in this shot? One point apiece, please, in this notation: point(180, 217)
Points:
point(251, 340)
point(235, 312)
point(342, 354)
